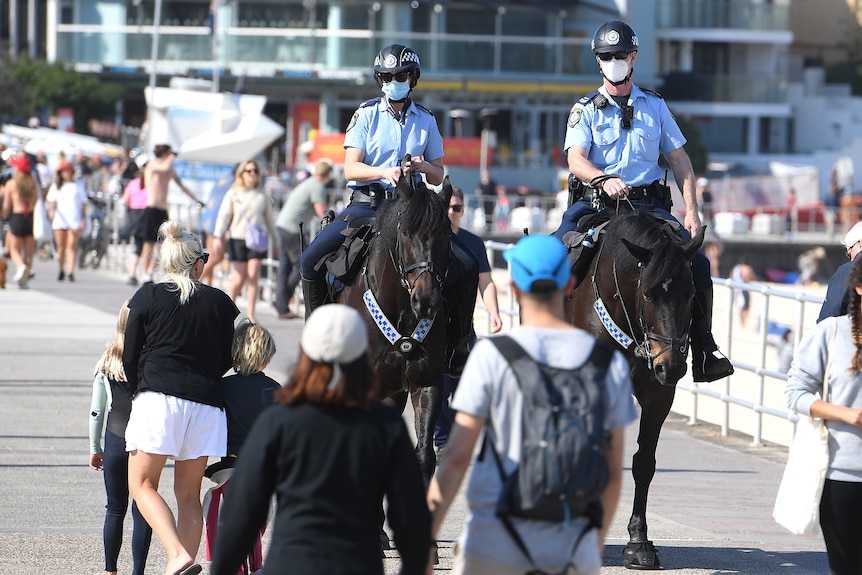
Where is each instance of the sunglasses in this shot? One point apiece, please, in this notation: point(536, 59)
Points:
point(615, 55)
point(850, 249)
point(204, 257)
point(399, 77)
point(250, 170)
point(457, 208)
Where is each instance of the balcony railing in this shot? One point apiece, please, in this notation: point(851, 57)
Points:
point(731, 14)
point(685, 87)
point(294, 50)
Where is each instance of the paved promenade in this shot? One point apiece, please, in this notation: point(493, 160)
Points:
point(709, 512)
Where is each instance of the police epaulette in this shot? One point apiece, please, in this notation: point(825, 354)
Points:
point(371, 102)
point(421, 107)
point(653, 92)
point(597, 98)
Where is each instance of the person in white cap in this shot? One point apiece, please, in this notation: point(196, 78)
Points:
point(835, 303)
point(489, 403)
point(329, 452)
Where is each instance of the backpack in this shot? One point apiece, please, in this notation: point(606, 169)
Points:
point(562, 471)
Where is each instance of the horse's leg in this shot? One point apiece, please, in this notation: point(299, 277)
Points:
point(427, 403)
point(396, 401)
point(640, 553)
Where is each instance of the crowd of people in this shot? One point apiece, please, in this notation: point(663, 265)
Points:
point(323, 444)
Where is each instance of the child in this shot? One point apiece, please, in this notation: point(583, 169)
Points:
point(109, 389)
point(247, 393)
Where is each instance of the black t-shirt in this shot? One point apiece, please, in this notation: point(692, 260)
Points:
point(179, 350)
point(245, 397)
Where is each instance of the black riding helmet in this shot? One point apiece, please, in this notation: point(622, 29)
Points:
point(397, 58)
point(614, 36)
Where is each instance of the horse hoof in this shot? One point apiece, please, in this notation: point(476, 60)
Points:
point(641, 555)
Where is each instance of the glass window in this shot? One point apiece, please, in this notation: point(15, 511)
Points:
point(525, 23)
point(470, 21)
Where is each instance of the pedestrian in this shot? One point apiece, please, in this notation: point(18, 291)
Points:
point(209, 214)
point(329, 452)
point(135, 200)
point(832, 349)
point(18, 198)
point(474, 245)
point(178, 347)
point(486, 192)
point(306, 200)
point(247, 393)
point(742, 272)
point(67, 210)
point(809, 265)
point(704, 199)
point(109, 412)
point(835, 303)
point(489, 401)
point(601, 153)
point(159, 172)
point(379, 134)
point(245, 205)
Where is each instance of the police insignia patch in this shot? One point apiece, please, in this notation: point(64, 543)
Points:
point(352, 121)
point(575, 117)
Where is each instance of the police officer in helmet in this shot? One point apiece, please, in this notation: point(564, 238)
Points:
point(614, 138)
point(380, 133)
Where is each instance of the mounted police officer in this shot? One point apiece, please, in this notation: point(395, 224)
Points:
point(381, 132)
point(613, 141)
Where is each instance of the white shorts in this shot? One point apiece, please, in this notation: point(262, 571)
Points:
point(181, 429)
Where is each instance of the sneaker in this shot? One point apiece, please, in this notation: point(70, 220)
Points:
point(20, 276)
point(132, 281)
point(71, 277)
point(61, 276)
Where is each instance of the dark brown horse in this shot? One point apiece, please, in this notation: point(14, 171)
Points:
point(400, 293)
point(638, 296)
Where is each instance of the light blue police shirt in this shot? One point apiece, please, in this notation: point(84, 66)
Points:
point(385, 140)
point(631, 153)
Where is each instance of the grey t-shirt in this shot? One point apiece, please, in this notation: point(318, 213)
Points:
point(299, 206)
point(488, 389)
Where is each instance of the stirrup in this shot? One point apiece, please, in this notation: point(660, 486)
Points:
point(710, 366)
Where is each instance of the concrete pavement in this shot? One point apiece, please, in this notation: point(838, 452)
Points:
point(710, 504)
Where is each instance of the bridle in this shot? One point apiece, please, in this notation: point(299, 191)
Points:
point(404, 270)
point(642, 348)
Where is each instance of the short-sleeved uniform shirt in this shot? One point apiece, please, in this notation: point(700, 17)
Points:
point(386, 139)
point(489, 390)
point(631, 153)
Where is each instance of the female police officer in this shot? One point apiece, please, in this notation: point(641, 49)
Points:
point(380, 133)
point(614, 138)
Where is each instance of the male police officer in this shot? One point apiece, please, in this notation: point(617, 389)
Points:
point(614, 139)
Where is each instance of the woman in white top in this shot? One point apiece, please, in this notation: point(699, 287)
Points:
point(67, 209)
point(245, 203)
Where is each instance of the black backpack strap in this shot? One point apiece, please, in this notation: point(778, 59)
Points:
point(510, 350)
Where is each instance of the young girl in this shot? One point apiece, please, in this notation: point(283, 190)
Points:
point(67, 209)
point(247, 393)
point(109, 390)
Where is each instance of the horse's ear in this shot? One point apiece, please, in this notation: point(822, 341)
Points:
point(405, 190)
point(446, 192)
point(641, 254)
point(689, 248)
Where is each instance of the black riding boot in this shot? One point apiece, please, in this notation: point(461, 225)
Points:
point(314, 293)
point(707, 363)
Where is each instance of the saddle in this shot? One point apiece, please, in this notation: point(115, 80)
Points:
point(343, 265)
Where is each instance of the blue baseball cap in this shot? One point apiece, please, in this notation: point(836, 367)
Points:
point(536, 258)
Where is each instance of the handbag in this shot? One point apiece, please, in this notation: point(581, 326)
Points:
point(797, 504)
point(256, 237)
point(41, 224)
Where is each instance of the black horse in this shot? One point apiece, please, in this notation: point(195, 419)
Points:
point(400, 293)
point(639, 297)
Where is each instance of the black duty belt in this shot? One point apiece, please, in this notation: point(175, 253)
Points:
point(361, 196)
point(372, 195)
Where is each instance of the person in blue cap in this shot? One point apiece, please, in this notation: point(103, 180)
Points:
point(489, 403)
point(614, 139)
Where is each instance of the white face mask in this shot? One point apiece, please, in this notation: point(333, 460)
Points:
point(615, 70)
point(396, 91)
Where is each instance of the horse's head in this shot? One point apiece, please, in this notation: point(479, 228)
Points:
point(658, 276)
point(421, 227)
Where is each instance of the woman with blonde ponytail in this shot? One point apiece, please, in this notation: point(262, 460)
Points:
point(178, 347)
point(836, 342)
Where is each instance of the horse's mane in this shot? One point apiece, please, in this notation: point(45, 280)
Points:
point(424, 216)
point(645, 230)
